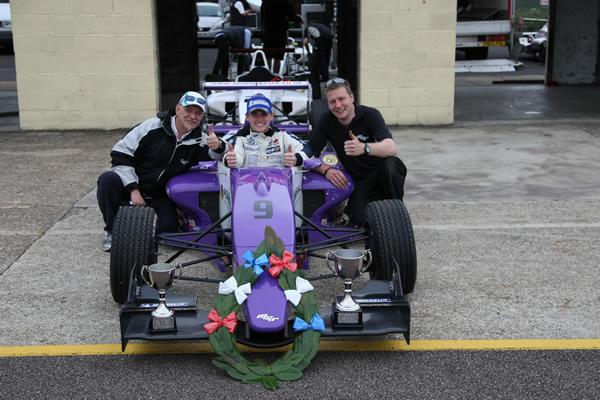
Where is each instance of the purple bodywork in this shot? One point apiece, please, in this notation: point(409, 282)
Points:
point(258, 197)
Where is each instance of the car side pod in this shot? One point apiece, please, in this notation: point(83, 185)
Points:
point(385, 310)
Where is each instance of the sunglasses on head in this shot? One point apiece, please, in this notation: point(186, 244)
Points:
point(192, 99)
point(330, 82)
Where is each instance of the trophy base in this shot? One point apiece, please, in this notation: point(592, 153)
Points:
point(346, 319)
point(166, 324)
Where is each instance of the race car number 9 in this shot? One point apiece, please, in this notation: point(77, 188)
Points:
point(264, 209)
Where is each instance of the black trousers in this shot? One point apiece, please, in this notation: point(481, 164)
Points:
point(318, 62)
point(221, 66)
point(111, 195)
point(384, 182)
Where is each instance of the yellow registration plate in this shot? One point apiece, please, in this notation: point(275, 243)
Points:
point(492, 43)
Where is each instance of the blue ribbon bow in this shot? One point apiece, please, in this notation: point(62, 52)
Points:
point(316, 324)
point(258, 264)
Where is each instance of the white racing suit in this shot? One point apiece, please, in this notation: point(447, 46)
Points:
point(258, 149)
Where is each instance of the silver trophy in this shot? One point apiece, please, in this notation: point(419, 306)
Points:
point(348, 265)
point(162, 277)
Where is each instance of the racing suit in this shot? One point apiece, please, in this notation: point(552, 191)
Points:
point(265, 149)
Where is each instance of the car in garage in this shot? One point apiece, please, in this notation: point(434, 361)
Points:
point(6, 37)
point(211, 20)
point(535, 43)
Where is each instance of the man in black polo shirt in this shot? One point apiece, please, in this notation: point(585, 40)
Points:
point(365, 148)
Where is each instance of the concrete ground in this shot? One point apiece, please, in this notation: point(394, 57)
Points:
point(504, 208)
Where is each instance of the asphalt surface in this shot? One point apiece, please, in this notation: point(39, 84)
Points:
point(504, 205)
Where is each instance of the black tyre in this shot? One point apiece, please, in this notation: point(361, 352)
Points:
point(541, 53)
point(392, 238)
point(133, 243)
point(317, 109)
point(476, 53)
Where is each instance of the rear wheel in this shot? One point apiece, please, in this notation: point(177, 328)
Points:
point(392, 238)
point(133, 244)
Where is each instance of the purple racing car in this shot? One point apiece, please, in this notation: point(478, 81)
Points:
point(225, 213)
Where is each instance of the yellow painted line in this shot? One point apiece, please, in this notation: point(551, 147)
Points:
point(439, 345)
point(325, 345)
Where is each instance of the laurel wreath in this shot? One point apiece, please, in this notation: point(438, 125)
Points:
point(288, 367)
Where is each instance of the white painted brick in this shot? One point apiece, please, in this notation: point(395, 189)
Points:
point(445, 21)
point(434, 115)
point(49, 82)
point(133, 7)
point(375, 97)
point(53, 7)
point(375, 22)
point(440, 59)
point(91, 7)
point(409, 21)
point(133, 101)
point(130, 83)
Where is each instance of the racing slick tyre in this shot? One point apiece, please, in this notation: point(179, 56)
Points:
point(317, 109)
point(392, 238)
point(133, 244)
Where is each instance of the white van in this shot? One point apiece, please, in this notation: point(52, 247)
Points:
point(5, 24)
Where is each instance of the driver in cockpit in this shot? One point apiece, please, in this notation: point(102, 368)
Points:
point(260, 144)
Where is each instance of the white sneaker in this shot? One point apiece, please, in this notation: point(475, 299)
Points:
point(107, 241)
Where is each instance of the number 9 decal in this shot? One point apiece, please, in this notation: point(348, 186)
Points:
point(264, 209)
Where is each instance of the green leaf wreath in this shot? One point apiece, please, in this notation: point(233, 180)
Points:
point(270, 253)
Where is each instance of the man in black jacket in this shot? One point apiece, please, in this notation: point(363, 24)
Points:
point(149, 155)
point(233, 37)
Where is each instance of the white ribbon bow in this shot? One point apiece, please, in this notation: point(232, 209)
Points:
point(302, 286)
point(230, 286)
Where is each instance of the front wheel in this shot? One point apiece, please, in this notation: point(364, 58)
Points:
point(133, 244)
point(392, 238)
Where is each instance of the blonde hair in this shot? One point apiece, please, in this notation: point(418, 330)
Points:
point(335, 83)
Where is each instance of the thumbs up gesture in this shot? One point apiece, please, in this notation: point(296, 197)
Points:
point(289, 157)
point(231, 157)
point(354, 147)
point(212, 140)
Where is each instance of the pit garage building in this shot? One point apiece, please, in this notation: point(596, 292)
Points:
point(90, 64)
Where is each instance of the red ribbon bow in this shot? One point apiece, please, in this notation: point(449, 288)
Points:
point(229, 322)
point(279, 264)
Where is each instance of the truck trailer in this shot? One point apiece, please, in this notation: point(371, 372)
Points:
point(481, 24)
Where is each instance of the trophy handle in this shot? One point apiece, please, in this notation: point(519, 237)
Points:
point(327, 262)
point(369, 258)
point(180, 268)
point(144, 269)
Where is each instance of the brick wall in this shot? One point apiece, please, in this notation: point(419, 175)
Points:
point(85, 64)
point(406, 58)
point(92, 64)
